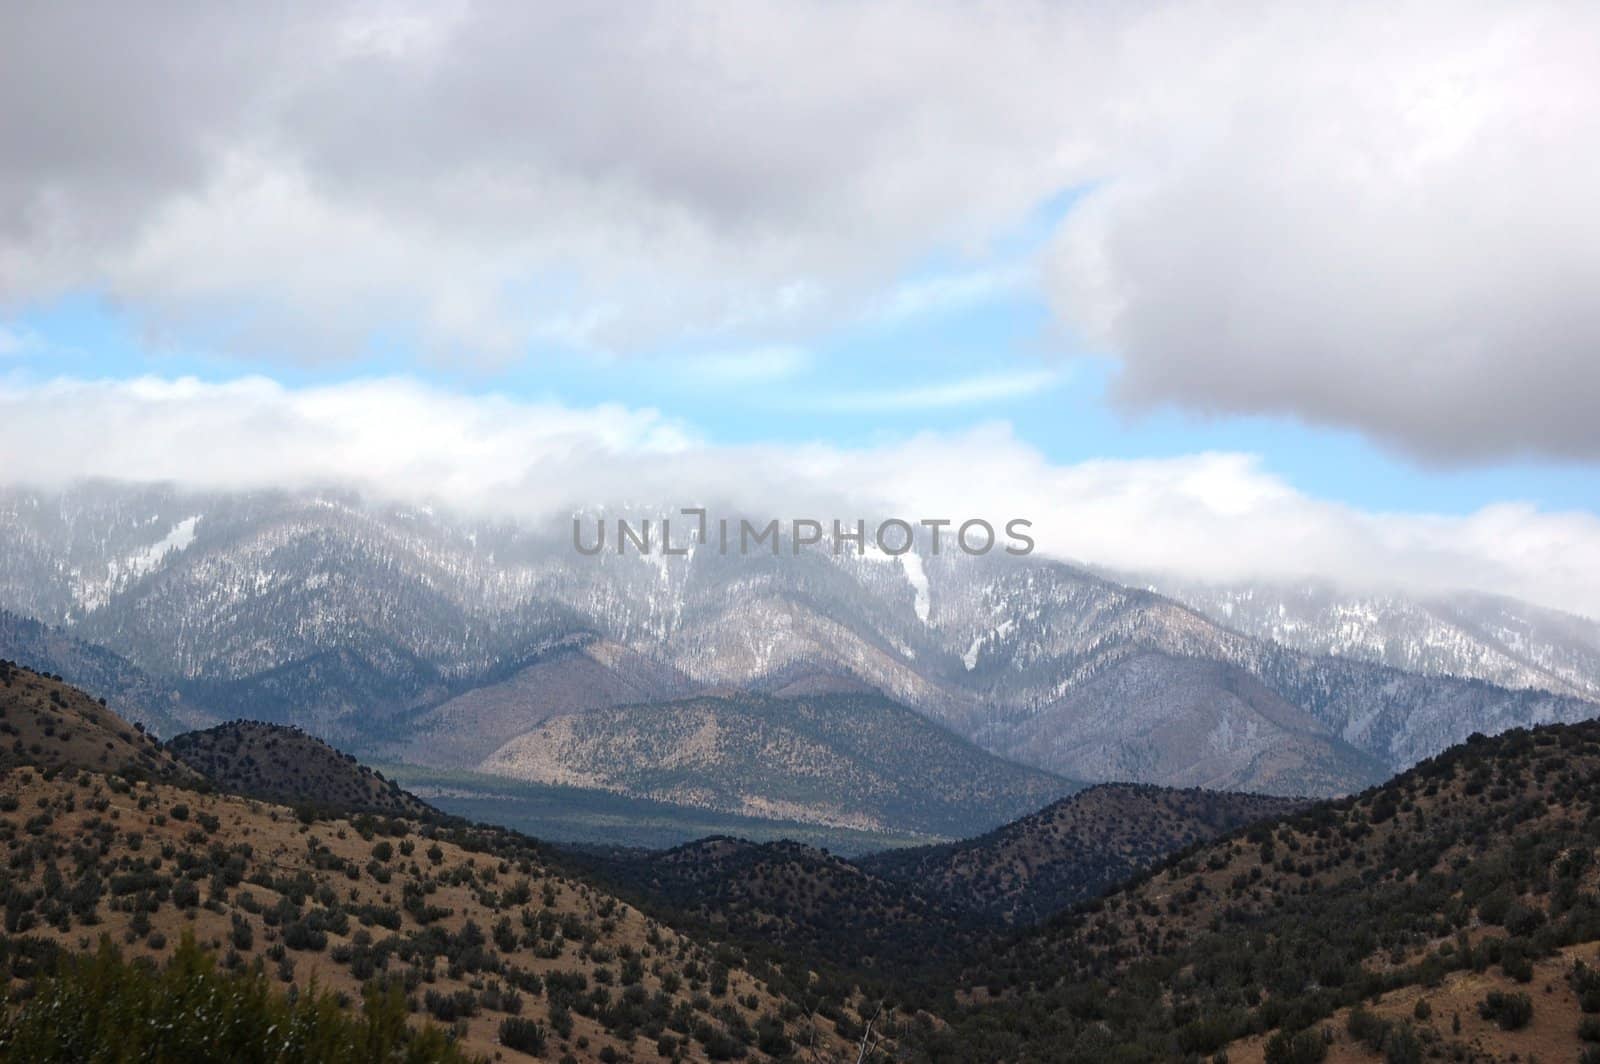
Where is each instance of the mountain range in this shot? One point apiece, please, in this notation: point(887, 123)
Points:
point(408, 635)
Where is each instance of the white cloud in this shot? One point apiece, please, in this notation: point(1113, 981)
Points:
point(294, 177)
point(1212, 516)
point(1368, 214)
point(1381, 220)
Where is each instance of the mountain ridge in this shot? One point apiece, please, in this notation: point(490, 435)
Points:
point(352, 619)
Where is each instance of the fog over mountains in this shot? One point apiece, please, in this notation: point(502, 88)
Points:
point(412, 636)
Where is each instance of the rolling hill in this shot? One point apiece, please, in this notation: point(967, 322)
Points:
point(47, 724)
point(130, 692)
point(1469, 882)
point(1450, 913)
point(857, 761)
point(1071, 850)
point(285, 765)
point(573, 674)
point(798, 906)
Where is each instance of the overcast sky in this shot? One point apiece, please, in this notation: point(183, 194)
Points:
point(1319, 281)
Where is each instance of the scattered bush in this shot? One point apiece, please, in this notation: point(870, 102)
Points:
point(525, 1036)
point(1511, 1012)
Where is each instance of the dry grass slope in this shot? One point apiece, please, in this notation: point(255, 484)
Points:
point(474, 924)
point(46, 723)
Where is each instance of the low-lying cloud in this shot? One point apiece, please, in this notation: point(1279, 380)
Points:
point(1214, 516)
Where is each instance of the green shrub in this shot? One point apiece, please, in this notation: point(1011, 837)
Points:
point(1511, 1012)
point(1401, 1045)
point(1366, 1028)
point(1303, 1047)
point(525, 1036)
point(101, 1007)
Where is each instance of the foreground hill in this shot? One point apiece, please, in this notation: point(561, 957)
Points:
point(901, 921)
point(857, 761)
point(784, 900)
point(285, 765)
point(475, 927)
point(1071, 850)
point(1460, 882)
point(44, 722)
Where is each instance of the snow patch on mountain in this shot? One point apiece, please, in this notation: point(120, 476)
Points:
point(178, 538)
point(970, 658)
point(919, 584)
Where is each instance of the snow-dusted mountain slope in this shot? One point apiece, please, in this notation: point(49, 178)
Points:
point(361, 622)
point(1486, 637)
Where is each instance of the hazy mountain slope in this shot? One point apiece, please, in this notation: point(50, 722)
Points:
point(1053, 630)
point(1461, 874)
point(70, 552)
point(340, 694)
point(1483, 637)
point(288, 766)
point(850, 761)
point(310, 610)
point(1401, 718)
point(1183, 721)
point(351, 620)
point(764, 622)
point(575, 674)
point(1071, 850)
point(130, 692)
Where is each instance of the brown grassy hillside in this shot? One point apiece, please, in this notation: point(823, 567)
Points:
point(474, 924)
point(1444, 1020)
point(45, 722)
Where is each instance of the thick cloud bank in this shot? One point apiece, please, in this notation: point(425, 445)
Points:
point(1385, 222)
point(1209, 516)
point(1372, 215)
